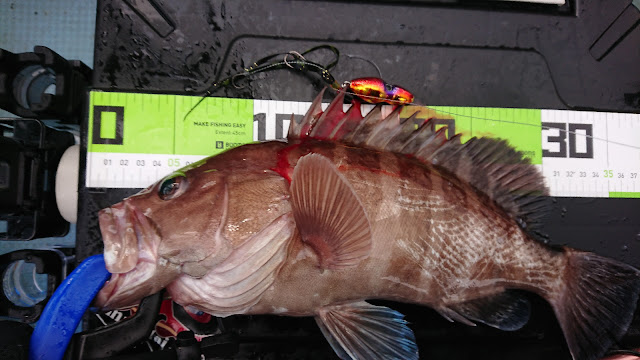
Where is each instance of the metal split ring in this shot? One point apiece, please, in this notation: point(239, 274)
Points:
point(233, 80)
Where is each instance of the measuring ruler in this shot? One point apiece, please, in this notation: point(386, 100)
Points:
point(136, 139)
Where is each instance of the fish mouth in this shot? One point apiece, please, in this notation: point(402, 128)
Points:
point(118, 228)
point(130, 253)
point(108, 290)
point(125, 290)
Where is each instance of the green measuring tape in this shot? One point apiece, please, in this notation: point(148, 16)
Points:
point(135, 139)
point(155, 124)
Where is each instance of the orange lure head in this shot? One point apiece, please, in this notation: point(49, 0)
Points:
point(375, 90)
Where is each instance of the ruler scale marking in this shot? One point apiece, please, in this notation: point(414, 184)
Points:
point(587, 154)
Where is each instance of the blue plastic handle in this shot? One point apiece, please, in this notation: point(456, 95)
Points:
point(65, 309)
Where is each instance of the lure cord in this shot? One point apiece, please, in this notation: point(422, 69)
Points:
point(300, 63)
point(367, 60)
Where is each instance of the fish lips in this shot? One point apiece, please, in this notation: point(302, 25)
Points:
point(104, 298)
point(123, 290)
point(118, 226)
point(128, 254)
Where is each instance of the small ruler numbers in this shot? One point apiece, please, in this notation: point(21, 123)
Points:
point(136, 139)
point(591, 154)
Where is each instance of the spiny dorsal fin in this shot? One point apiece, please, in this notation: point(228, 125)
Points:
point(490, 165)
point(300, 130)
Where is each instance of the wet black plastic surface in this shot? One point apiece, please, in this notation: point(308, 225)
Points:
point(452, 53)
point(444, 52)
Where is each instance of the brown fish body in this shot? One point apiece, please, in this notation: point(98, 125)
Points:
point(435, 242)
point(362, 209)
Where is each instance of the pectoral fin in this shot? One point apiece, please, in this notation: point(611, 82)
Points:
point(506, 311)
point(328, 213)
point(364, 331)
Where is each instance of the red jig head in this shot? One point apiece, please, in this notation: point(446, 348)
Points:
point(375, 90)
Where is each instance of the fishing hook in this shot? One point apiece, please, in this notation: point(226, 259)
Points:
point(299, 62)
point(295, 55)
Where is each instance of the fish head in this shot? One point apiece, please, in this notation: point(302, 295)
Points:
point(152, 237)
point(189, 222)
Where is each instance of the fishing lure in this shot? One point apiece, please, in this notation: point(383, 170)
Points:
point(375, 91)
point(372, 90)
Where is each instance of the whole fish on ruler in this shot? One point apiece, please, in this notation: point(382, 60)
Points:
point(350, 209)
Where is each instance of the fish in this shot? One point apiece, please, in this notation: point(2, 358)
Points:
point(351, 209)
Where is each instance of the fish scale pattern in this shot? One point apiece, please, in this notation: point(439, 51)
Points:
point(492, 166)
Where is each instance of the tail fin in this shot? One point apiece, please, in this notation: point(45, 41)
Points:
point(597, 304)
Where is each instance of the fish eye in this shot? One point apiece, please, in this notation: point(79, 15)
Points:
point(172, 187)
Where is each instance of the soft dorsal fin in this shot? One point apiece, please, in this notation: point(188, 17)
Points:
point(329, 214)
point(490, 165)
